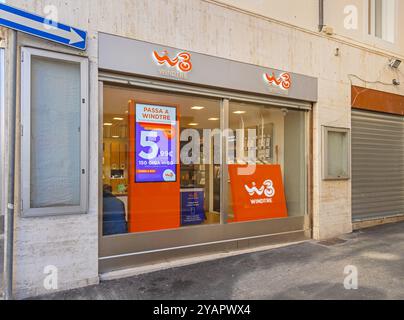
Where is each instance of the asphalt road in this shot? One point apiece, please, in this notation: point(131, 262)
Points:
point(309, 270)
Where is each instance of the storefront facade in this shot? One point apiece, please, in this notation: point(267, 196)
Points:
point(258, 96)
point(195, 210)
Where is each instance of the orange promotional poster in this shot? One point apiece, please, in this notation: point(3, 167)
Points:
point(258, 196)
point(154, 185)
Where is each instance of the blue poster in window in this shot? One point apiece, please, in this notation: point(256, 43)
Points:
point(192, 207)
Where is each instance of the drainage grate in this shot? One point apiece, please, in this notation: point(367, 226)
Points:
point(332, 242)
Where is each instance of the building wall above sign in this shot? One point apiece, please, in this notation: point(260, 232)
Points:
point(123, 55)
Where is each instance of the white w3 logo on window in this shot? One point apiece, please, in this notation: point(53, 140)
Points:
point(267, 189)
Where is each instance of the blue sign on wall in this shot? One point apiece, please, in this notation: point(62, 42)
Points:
point(41, 27)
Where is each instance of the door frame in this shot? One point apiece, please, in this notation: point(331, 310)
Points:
point(2, 133)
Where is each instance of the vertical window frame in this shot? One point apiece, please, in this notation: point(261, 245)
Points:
point(26, 67)
point(390, 13)
point(371, 17)
point(326, 175)
point(2, 133)
point(371, 28)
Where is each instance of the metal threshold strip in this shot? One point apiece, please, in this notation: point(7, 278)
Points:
point(197, 245)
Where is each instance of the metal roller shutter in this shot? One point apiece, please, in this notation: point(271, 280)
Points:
point(377, 165)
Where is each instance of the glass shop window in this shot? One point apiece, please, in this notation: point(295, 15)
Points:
point(162, 161)
point(267, 163)
point(159, 169)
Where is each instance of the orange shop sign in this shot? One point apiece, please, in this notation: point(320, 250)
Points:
point(182, 61)
point(258, 196)
point(284, 81)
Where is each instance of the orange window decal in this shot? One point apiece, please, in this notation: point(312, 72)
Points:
point(258, 196)
point(152, 206)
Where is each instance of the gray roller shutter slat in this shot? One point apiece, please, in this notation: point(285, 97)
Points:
point(377, 165)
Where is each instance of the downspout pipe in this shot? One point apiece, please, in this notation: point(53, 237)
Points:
point(9, 237)
point(321, 15)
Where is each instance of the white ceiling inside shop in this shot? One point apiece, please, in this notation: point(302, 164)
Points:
point(206, 116)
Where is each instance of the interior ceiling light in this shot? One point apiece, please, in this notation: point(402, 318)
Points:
point(118, 119)
point(107, 124)
point(197, 108)
point(239, 112)
point(193, 124)
point(213, 119)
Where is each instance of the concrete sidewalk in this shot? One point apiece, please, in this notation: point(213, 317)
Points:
point(309, 270)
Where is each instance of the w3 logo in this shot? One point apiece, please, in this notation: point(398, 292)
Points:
point(284, 81)
point(182, 61)
point(267, 189)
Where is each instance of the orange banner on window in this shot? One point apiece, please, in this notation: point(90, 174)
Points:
point(153, 206)
point(258, 196)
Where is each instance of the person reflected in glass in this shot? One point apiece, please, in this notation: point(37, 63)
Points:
point(114, 217)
